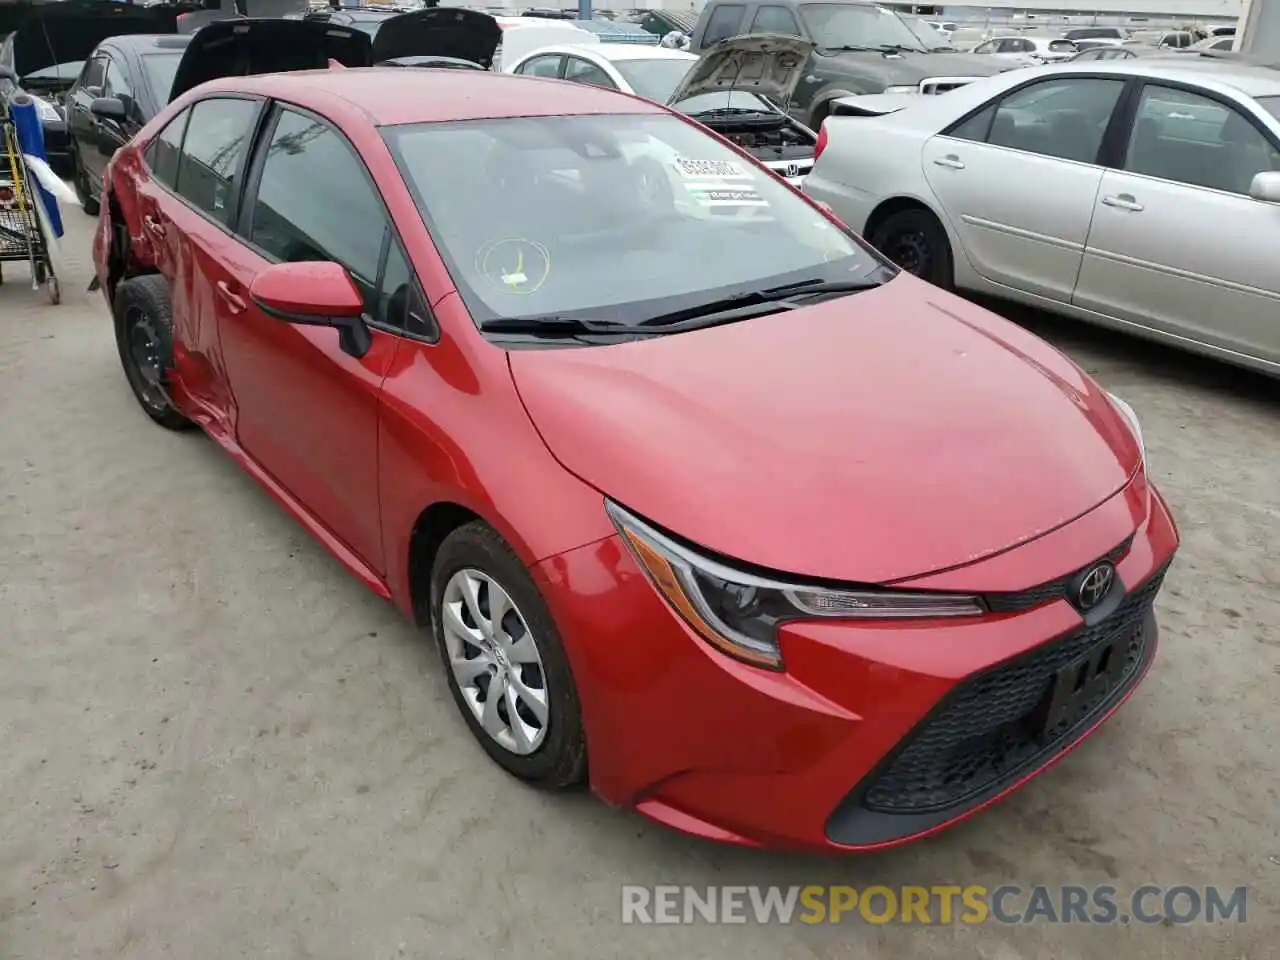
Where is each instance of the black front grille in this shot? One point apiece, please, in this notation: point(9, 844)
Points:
point(990, 730)
point(1053, 590)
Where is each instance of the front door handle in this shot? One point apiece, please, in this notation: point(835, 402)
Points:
point(235, 303)
point(1123, 201)
point(154, 226)
point(950, 160)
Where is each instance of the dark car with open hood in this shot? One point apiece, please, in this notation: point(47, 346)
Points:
point(48, 48)
point(128, 80)
point(858, 48)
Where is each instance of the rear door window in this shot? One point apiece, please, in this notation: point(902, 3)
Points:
point(584, 71)
point(166, 150)
point(213, 155)
point(545, 66)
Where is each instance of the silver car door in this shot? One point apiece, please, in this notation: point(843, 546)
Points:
point(1177, 243)
point(1018, 181)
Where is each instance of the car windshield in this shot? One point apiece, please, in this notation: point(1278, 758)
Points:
point(1271, 105)
point(62, 72)
point(655, 79)
point(160, 69)
point(734, 100)
point(614, 218)
point(929, 37)
point(858, 25)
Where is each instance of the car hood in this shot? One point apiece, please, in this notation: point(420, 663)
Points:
point(768, 65)
point(898, 69)
point(54, 33)
point(245, 46)
point(871, 438)
point(439, 32)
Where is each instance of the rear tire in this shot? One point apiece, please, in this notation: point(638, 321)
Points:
point(916, 241)
point(528, 664)
point(144, 326)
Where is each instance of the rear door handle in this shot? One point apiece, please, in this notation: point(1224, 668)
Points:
point(950, 160)
point(153, 225)
point(234, 302)
point(1123, 201)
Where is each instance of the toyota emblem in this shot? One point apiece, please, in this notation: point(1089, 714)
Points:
point(1095, 585)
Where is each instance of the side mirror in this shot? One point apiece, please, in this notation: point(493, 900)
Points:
point(318, 294)
point(108, 108)
point(1266, 187)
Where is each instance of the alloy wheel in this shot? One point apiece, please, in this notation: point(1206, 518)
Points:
point(495, 661)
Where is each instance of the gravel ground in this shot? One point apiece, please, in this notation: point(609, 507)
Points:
point(217, 744)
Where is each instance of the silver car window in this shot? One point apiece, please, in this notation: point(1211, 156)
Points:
point(1063, 118)
point(1187, 138)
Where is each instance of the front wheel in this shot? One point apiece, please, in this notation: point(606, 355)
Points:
point(917, 242)
point(504, 661)
point(144, 323)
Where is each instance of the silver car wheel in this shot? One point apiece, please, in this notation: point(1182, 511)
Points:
point(495, 661)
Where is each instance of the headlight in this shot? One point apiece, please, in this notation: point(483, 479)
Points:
point(1131, 418)
point(46, 111)
point(739, 613)
point(908, 89)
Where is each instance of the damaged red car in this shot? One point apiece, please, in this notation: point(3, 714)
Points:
point(702, 500)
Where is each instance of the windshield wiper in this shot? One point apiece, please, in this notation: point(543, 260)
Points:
point(899, 48)
point(557, 324)
point(839, 48)
point(740, 306)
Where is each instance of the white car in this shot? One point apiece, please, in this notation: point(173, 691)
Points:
point(1028, 50)
point(1140, 194)
point(734, 88)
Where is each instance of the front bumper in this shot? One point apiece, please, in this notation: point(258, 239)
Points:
point(875, 733)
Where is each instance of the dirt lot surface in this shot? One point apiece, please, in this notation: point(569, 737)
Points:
point(217, 744)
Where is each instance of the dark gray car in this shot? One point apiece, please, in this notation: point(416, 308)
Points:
point(859, 49)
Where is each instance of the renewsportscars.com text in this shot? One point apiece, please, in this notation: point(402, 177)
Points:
point(937, 904)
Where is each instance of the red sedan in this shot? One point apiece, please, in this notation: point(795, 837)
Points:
point(700, 498)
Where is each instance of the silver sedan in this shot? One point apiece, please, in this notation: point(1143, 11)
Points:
point(1139, 194)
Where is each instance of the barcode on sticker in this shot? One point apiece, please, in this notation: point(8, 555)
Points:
point(725, 169)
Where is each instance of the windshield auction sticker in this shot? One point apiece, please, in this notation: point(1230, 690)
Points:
point(718, 183)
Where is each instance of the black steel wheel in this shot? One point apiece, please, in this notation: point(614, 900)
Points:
point(143, 320)
point(916, 241)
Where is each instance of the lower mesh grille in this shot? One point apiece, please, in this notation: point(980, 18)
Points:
point(992, 728)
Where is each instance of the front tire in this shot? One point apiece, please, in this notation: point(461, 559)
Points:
point(916, 241)
point(504, 660)
point(144, 325)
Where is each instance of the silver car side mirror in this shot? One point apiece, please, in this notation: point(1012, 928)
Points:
point(1266, 186)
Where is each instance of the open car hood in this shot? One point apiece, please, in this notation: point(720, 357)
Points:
point(246, 46)
point(439, 32)
point(768, 65)
point(54, 33)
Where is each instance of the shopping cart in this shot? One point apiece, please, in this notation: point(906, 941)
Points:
point(26, 235)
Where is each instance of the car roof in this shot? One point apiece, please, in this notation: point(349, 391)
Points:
point(389, 96)
point(1253, 80)
point(615, 51)
point(145, 42)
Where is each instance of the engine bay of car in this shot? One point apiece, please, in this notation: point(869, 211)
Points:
point(766, 138)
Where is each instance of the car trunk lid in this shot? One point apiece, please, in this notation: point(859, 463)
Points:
point(244, 46)
point(439, 32)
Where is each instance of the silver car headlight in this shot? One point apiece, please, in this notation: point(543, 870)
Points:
point(1131, 418)
point(908, 89)
point(739, 613)
point(46, 111)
